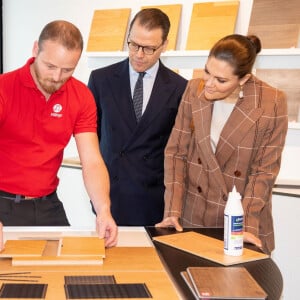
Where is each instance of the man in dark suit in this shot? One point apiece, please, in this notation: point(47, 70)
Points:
point(133, 146)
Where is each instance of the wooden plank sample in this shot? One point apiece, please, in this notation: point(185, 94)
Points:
point(286, 80)
point(276, 23)
point(57, 261)
point(173, 11)
point(207, 247)
point(14, 248)
point(187, 279)
point(108, 29)
point(210, 22)
point(65, 251)
point(82, 246)
point(218, 283)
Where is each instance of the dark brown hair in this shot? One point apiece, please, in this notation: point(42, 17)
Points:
point(153, 18)
point(239, 51)
point(63, 32)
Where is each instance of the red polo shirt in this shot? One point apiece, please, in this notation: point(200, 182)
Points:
point(34, 132)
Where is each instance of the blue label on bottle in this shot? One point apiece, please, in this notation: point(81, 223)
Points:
point(237, 224)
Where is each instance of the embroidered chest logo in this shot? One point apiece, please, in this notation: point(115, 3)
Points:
point(56, 109)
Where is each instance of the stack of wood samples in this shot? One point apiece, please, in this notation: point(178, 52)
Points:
point(276, 23)
point(60, 251)
point(210, 22)
point(174, 13)
point(108, 30)
point(222, 283)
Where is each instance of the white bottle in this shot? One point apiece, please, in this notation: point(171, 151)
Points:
point(233, 224)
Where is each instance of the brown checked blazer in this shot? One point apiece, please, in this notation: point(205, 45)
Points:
point(248, 156)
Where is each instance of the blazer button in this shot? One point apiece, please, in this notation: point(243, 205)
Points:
point(237, 173)
point(199, 189)
point(199, 161)
point(122, 153)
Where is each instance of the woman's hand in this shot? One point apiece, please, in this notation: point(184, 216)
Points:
point(170, 222)
point(252, 239)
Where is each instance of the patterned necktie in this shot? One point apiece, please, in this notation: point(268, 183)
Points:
point(138, 96)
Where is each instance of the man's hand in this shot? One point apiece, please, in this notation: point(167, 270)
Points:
point(107, 229)
point(170, 222)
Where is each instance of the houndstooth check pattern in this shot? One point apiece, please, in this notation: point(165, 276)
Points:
point(138, 96)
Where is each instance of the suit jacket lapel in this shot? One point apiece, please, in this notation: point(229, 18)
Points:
point(122, 95)
point(160, 95)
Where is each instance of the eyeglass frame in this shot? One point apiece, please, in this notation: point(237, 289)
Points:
point(143, 47)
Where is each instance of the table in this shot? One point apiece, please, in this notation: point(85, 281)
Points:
point(265, 271)
point(134, 260)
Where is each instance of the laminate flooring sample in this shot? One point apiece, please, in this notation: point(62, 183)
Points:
point(210, 22)
point(108, 29)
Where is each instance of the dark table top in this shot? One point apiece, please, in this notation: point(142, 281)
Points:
point(264, 271)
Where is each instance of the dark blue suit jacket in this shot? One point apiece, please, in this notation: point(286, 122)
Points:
point(134, 153)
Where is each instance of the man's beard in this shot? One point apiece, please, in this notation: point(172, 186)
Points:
point(48, 85)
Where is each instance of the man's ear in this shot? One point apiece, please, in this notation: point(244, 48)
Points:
point(35, 49)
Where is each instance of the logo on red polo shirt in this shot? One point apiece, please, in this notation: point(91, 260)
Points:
point(57, 108)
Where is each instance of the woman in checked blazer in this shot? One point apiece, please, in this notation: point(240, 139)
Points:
point(230, 131)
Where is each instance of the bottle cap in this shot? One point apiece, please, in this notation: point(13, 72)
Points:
point(234, 194)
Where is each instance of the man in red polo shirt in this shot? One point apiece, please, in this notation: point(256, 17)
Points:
point(41, 107)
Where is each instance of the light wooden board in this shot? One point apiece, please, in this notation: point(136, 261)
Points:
point(108, 29)
point(218, 283)
point(276, 23)
point(64, 251)
point(207, 247)
point(210, 22)
point(82, 246)
point(57, 260)
point(173, 11)
point(14, 248)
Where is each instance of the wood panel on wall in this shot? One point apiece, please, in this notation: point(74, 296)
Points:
point(173, 11)
point(210, 22)
point(288, 81)
point(276, 23)
point(108, 29)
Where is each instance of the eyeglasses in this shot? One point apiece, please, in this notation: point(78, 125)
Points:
point(146, 50)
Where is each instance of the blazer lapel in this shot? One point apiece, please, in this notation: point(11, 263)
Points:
point(122, 95)
point(242, 118)
point(160, 95)
point(202, 116)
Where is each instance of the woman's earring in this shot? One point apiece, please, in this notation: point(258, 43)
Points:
point(241, 92)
